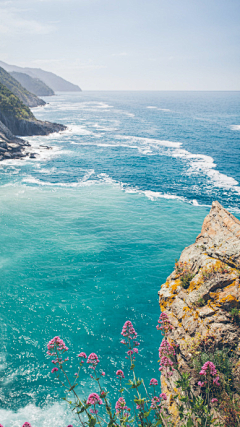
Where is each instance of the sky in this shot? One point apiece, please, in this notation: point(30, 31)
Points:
point(126, 44)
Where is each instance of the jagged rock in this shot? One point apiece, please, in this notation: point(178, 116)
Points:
point(202, 290)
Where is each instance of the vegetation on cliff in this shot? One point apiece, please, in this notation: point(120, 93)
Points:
point(11, 105)
point(33, 85)
point(18, 90)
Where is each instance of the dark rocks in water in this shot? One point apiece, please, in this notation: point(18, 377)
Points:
point(11, 147)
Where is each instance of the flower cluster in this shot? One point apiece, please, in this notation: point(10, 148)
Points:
point(209, 368)
point(83, 356)
point(94, 399)
point(128, 331)
point(121, 406)
point(54, 345)
point(120, 373)
point(93, 360)
point(165, 323)
point(166, 351)
point(155, 403)
point(153, 381)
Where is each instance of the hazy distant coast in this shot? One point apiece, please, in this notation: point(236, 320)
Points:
point(16, 118)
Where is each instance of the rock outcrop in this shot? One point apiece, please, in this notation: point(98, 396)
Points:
point(17, 119)
point(12, 147)
point(202, 297)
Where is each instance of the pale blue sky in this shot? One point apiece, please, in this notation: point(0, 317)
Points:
point(126, 44)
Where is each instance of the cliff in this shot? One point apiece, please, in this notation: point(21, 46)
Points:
point(12, 147)
point(202, 299)
point(19, 119)
point(33, 85)
point(18, 90)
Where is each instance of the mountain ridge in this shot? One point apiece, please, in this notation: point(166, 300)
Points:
point(18, 90)
point(32, 84)
point(55, 82)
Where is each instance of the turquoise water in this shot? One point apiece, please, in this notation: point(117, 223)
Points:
point(91, 228)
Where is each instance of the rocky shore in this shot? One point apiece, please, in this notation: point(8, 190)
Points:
point(12, 147)
point(202, 299)
point(16, 118)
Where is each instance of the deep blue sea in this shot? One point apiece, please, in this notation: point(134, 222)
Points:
point(92, 226)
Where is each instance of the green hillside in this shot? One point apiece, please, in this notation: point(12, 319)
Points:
point(34, 85)
point(12, 106)
point(17, 89)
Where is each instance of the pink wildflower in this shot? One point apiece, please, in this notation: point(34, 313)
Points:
point(214, 400)
point(216, 381)
point(93, 411)
point(26, 424)
point(93, 360)
point(94, 399)
point(163, 396)
point(129, 352)
point(210, 368)
point(153, 381)
point(135, 350)
point(54, 345)
point(120, 373)
point(165, 323)
point(166, 349)
point(82, 355)
point(155, 402)
point(128, 330)
point(201, 383)
point(54, 370)
point(141, 407)
point(70, 425)
point(103, 374)
point(120, 405)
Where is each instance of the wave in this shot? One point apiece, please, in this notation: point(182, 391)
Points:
point(151, 107)
point(58, 415)
point(235, 127)
point(203, 164)
point(150, 141)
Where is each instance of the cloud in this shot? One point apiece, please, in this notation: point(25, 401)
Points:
point(13, 23)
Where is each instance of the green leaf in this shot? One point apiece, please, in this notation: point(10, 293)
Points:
point(132, 367)
point(189, 422)
point(92, 422)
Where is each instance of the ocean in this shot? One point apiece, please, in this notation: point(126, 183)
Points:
point(92, 227)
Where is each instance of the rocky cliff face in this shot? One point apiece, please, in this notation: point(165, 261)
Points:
point(11, 147)
point(202, 299)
